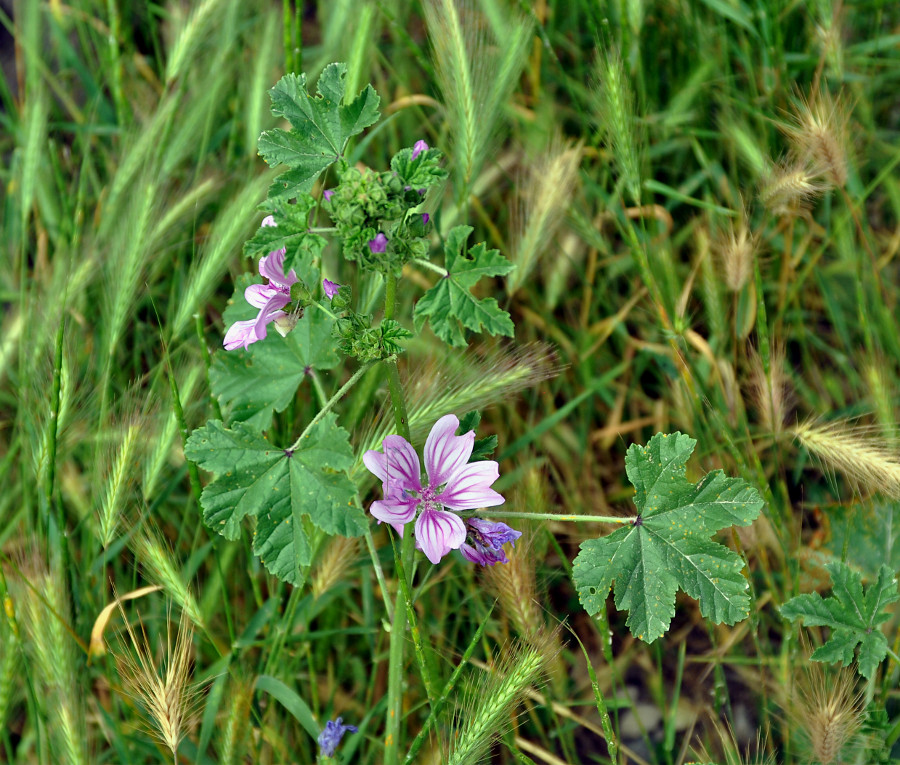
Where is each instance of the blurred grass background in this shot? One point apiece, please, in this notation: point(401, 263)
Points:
point(702, 200)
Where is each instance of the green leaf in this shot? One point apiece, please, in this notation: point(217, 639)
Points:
point(423, 171)
point(279, 488)
point(320, 127)
point(852, 613)
point(667, 545)
point(451, 306)
point(290, 233)
point(251, 384)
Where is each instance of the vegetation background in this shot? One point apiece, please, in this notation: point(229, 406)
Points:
point(702, 202)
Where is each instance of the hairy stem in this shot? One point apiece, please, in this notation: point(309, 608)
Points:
point(558, 517)
point(329, 405)
point(398, 626)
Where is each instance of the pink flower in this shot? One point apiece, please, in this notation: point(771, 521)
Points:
point(328, 194)
point(331, 288)
point(269, 298)
point(418, 147)
point(454, 484)
point(378, 245)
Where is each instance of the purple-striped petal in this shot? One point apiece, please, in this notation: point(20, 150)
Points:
point(272, 267)
point(240, 335)
point(269, 312)
point(269, 220)
point(394, 510)
point(397, 467)
point(446, 453)
point(437, 533)
point(259, 294)
point(470, 488)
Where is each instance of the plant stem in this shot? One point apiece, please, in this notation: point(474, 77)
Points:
point(379, 575)
point(403, 559)
point(330, 404)
point(430, 266)
point(559, 517)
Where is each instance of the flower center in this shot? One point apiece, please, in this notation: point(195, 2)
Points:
point(428, 500)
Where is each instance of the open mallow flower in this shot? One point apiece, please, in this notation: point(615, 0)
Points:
point(485, 540)
point(268, 298)
point(454, 484)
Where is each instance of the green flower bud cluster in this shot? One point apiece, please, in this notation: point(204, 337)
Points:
point(357, 337)
point(367, 204)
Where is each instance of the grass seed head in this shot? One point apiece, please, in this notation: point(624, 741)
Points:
point(859, 453)
point(818, 134)
point(43, 607)
point(736, 248)
point(338, 556)
point(486, 714)
point(164, 691)
point(161, 568)
point(616, 118)
point(549, 186)
point(789, 186)
point(827, 711)
point(770, 392)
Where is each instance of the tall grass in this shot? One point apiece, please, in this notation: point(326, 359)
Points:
point(701, 200)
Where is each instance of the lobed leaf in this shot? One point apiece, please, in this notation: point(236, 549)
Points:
point(450, 305)
point(853, 614)
point(667, 545)
point(321, 126)
point(280, 488)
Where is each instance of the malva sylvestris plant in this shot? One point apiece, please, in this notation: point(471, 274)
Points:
point(303, 492)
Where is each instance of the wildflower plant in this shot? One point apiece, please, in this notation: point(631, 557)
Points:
point(302, 492)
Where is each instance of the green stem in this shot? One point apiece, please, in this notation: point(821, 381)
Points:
point(401, 604)
point(448, 689)
point(418, 644)
point(430, 266)
point(317, 386)
point(379, 575)
point(326, 311)
point(558, 517)
point(329, 405)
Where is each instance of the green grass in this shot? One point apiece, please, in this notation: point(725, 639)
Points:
point(660, 130)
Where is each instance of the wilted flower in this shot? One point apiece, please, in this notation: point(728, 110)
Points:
point(378, 245)
point(269, 298)
point(454, 484)
point(331, 736)
point(418, 147)
point(331, 288)
point(485, 540)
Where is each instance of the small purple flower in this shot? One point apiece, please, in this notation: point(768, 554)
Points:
point(418, 147)
point(425, 218)
point(331, 288)
point(378, 245)
point(454, 484)
point(269, 298)
point(485, 540)
point(331, 736)
point(328, 193)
